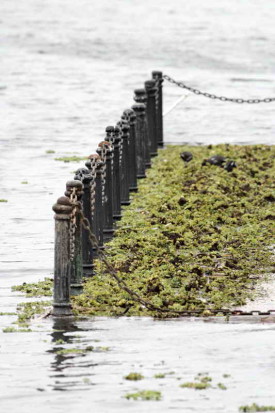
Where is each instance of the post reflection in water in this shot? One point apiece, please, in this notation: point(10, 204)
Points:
point(67, 367)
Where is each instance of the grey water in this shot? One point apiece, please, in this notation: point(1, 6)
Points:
point(68, 69)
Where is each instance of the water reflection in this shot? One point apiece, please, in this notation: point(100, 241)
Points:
point(73, 363)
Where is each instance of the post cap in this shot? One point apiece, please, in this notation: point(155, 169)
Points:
point(62, 208)
point(150, 84)
point(157, 74)
point(74, 184)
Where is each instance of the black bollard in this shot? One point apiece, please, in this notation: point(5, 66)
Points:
point(95, 166)
point(62, 263)
point(74, 191)
point(159, 80)
point(86, 178)
point(105, 151)
point(141, 97)
point(130, 117)
point(124, 182)
point(113, 136)
point(150, 87)
point(139, 110)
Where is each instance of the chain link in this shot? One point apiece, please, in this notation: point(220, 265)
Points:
point(93, 185)
point(73, 216)
point(216, 97)
point(103, 155)
point(135, 296)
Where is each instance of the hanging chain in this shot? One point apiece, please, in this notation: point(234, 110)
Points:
point(134, 295)
point(103, 156)
point(93, 185)
point(73, 215)
point(216, 97)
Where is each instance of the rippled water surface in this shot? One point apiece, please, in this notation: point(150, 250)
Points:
point(68, 69)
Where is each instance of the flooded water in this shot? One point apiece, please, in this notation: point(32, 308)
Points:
point(68, 69)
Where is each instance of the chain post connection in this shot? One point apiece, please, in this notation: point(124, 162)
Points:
point(216, 97)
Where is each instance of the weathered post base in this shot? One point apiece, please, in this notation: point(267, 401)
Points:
point(88, 270)
point(62, 310)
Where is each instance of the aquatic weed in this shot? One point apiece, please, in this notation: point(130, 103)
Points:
point(144, 395)
point(134, 376)
point(73, 158)
point(256, 408)
point(40, 288)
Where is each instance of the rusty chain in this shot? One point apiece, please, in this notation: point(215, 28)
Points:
point(93, 185)
point(103, 179)
point(216, 97)
point(136, 297)
point(73, 217)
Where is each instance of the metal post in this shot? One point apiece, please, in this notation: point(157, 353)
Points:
point(150, 87)
point(62, 263)
point(105, 151)
point(130, 117)
point(96, 164)
point(113, 136)
point(86, 178)
point(99, 204)
point(124, 133)
point(139, 110)
point(141, 97)
point(159, 79)
point(76, 258)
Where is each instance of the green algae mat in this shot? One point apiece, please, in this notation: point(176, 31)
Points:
point(194, 237)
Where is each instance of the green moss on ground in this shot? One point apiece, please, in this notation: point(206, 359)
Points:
point(194, 236)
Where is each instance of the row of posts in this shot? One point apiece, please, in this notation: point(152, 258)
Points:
point(100, 190)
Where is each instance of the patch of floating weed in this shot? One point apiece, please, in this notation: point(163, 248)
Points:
point(144, 395)
point(134, 376)
point(41, 288)
point(3, 313)
point(159, 376)
point(65, 351)
point(16, 330)
point(195, 385)
point(26, 311)
point(226, 376)
point(86, 380)
point(104, 348)
point(3, 200)
point(194, 237)
point(85, 350)
point(256, 408)
point(24, 182)
point(59, 341)
point(203, 377)
point(73, 158)
point(50, 151)
point(221, 386)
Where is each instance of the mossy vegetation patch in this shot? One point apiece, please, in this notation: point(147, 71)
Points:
point(144, 395)
point(41, 288)
point(134, 376)
point(194, 236)
point(73, 158)
point(256, 408)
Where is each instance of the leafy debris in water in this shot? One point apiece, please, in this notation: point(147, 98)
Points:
point(194, 236)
